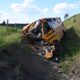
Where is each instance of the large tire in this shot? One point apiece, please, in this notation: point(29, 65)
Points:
point(58, 47)
point(58, 51)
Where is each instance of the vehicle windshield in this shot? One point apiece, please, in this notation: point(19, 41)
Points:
point(38, 26)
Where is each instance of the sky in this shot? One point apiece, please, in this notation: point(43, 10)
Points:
point(26, 11)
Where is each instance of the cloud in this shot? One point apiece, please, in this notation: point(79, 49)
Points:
point(14, 18)
point(4, 16)
point(28, 7)
point(62, 7)
point(26, 11)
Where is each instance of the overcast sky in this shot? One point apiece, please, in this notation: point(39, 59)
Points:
point(26, 11)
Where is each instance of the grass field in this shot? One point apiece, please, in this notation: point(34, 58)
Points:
point(71, 44)
point(8, 36)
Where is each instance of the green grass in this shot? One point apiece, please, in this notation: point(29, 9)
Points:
point(71, 43)
point(8, 36)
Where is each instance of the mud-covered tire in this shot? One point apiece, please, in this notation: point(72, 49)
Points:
point(58, 51)
point(58, 47)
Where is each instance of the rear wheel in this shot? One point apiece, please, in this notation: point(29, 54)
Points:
point(58, 51)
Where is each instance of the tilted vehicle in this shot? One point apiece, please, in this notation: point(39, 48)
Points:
point(43, 36)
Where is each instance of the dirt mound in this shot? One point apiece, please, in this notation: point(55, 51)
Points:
point(18, 63)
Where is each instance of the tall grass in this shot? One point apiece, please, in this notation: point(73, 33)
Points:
point(71, 43)
point(8, 36)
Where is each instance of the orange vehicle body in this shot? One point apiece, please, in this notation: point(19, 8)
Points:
point(48, 30)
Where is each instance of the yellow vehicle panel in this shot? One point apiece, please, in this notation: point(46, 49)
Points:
point(53, 35)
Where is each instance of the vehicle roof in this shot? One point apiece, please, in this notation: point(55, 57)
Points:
point(50, 18)
point(54, 19)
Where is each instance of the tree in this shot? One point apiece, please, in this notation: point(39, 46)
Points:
point(3, 23)
point(66, 15)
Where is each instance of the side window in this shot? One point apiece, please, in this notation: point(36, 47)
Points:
point(52, 23)
point(46, 27)
point(54, 19)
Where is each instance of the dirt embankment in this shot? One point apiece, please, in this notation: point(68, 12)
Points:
point(18, 63)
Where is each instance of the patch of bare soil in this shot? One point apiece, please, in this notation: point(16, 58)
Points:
point(18, 63)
